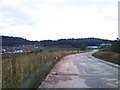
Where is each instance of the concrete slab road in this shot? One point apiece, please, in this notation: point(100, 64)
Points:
point(82, 71)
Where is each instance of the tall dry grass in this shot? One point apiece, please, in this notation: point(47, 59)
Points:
point(108, 56)
point(19, 67)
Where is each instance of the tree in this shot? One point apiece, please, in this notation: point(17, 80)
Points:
point(83, 46)
point(116, 46)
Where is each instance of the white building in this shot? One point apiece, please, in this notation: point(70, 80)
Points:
point(19, 51)
point(105, 44)
point(92, 47)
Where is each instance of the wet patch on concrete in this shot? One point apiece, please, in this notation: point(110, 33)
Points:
point(96, 74)
point(56, 78)
point(95, 81)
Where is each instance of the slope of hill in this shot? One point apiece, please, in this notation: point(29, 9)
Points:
point(81, 42)
point(12, 41)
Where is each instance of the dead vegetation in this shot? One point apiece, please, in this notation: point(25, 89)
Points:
point(16, 68)
point(108, 56)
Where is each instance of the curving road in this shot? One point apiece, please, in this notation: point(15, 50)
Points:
point(82, 71)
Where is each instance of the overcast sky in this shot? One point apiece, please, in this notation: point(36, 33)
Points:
point(56, 19)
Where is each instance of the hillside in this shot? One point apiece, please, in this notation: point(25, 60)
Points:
point(78, 43)
point(12, 41)
point(81, 42)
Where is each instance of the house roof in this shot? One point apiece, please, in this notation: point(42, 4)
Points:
point(93, 47)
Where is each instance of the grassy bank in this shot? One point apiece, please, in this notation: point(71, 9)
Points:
point(16, 68)
point(108, 56)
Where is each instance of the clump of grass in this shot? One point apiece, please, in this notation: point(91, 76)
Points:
point(19, 67)
point(108, 56)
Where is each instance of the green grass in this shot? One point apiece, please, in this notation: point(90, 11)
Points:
point(16, 68)
point(108, 56)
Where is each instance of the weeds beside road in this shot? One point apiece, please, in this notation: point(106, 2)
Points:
point(16, 68)
point(108, 56)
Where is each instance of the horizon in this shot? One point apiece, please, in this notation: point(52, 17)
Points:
point(59, 19)
point(59, 38)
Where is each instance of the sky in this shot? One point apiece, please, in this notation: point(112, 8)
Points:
point(59, 19)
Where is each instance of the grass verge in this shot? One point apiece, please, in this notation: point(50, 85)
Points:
point(108, 56)
point(17, 68)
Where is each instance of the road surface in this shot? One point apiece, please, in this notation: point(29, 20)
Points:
point(82, 71)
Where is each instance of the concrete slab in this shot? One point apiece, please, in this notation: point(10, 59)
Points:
point(82, 71)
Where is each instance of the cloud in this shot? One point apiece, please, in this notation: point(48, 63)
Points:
point(54, 19)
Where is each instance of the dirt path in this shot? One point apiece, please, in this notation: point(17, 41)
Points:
point(82, 71)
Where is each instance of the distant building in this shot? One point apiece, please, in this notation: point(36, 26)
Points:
point(105, 44)
point(28, 48)
point(92, 47)
point(2, 50)
point(9, 49)
point(19, 51)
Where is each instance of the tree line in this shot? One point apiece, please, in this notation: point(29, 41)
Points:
point(78, 43)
